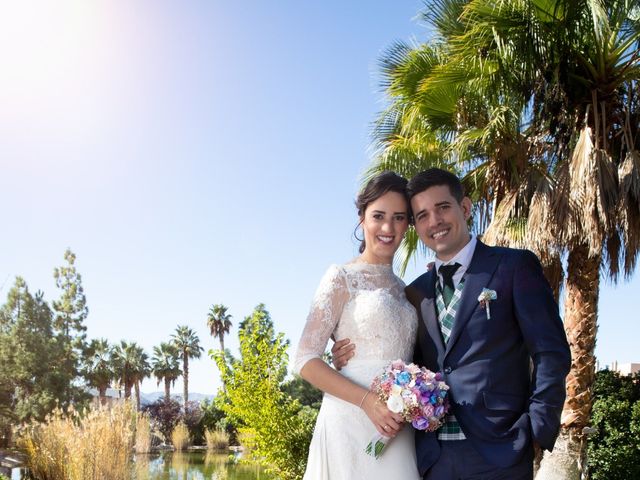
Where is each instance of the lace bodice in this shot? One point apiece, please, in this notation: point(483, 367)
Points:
point(365, 303)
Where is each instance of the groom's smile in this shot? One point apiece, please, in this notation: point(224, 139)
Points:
point(441, 221)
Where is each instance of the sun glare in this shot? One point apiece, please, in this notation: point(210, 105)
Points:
point(50, 60)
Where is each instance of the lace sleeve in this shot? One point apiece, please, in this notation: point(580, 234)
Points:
point(326, 309)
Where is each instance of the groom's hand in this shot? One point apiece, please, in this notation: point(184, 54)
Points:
point(341, 352)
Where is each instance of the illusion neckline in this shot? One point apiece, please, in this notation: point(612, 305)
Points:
point(379, 267)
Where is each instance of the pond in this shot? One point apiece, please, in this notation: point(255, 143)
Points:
point(187, 466)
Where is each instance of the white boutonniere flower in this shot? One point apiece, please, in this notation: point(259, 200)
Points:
point(485, 297)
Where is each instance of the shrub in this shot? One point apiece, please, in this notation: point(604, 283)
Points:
point(164, 415)
point(217, 439)
point(214, 418)
point(180, 437)
point(192, 418)
point(614, 450)
point(69, 446)
point(280, 426)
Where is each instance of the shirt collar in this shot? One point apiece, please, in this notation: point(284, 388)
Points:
point(463, 257)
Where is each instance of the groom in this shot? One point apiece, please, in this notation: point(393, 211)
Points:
point(489, 322)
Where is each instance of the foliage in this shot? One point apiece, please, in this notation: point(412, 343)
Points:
point(180, 436)
point(165, 366)
point(280, 427)
point(35, 374)
point(71, 308)
point(219, 322)
point(192, 418)
point(303, 391)
point(214, 418)
point(217, 439)
point(614, 450)
point(165, 415)
point(71, 446)
point(97, 366)
point(187, 345)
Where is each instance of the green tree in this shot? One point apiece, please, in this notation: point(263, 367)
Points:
point(71, 308)
point(141, 369)
point(126, 357)
point(614, 448)
point(280, 426)
point(536, 104)
point(165, 366)
point(188, 346)
point(70, 313)
point(97, 366)
point(31, 359)
point(219, 322)
point(299, 389)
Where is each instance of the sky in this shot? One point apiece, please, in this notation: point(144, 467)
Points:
point(199, 152)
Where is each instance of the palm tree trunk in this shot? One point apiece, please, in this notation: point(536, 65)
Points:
point(222, 342)
point(185, 388)
point(580, 323)
point(102, 394)
point(127, 390)
point(167, 389)
point(136, 385)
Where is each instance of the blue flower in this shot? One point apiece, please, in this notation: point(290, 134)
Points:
point(403, 378)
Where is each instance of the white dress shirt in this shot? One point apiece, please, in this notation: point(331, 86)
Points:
point(463, 257)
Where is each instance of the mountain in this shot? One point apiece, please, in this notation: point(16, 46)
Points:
point(148, 398)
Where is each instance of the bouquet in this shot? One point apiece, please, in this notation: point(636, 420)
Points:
point(416, 393)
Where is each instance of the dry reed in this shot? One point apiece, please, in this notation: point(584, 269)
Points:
point(180, 437)
point(217, 439)
point(143, 433)
point(96, 446)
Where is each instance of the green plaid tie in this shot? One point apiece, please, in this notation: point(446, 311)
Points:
point(447, 272)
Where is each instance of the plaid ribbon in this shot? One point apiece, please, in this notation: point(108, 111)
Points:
point(446, 316)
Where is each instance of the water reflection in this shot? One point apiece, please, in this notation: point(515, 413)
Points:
point(194, 466)
point(186, 466)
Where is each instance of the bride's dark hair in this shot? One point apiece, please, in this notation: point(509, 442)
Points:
point(376, 187)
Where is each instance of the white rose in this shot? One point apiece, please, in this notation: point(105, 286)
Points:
point(395, 403)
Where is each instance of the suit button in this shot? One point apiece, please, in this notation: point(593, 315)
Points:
point(447, 370)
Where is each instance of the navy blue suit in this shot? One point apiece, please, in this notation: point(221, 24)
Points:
point(507, 373)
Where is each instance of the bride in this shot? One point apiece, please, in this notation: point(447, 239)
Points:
point(364, 301)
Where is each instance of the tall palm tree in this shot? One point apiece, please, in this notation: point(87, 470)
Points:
point(98, 367)
point(188, 346)
point(165, 366)
point(219, 322)
point(124, 357)
point(536, 103)
point(140, 369)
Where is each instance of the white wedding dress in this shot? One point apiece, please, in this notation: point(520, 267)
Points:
point(367, 304)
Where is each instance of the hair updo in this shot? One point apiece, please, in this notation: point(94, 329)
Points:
point(376, 187)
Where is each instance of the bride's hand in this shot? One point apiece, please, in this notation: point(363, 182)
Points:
point(386, 422)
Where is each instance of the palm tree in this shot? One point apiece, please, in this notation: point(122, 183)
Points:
point(165, 366)
point(124, 357)
point(187, 343)
point(219, 322)
point(140, 369)
point(536, 104)
point(98, 369)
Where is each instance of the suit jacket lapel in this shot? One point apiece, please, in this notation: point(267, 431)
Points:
point(483, 264)
point(429, 317)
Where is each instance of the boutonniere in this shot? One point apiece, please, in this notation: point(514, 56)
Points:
point(485, 297)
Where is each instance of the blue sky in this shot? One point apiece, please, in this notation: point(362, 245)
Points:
point(198, 152)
